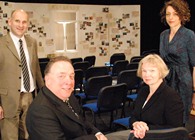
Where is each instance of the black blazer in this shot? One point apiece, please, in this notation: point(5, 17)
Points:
point(49, 118)
point(163, 110)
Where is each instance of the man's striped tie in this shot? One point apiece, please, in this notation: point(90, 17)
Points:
point(26, 78)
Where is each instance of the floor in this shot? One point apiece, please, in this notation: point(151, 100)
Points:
point(103, 122)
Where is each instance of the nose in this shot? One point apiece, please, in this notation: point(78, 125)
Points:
point(147, 74)
point(171, 16)
point(68, 79)
point(20, 24)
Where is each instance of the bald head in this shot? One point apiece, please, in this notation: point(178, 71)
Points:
point(18, 22)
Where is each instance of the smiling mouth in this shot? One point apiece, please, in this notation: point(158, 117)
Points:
point(171, 21)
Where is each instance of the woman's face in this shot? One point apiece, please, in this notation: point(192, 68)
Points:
point(172, 17)
point(150, 74)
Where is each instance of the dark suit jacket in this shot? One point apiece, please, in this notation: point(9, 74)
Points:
point(49, 118)
point(163, 110)
point(10, 73)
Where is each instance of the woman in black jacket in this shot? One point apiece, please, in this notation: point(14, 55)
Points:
point(157, 106)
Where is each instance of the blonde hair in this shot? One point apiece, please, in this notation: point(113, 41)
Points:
point(155, 60)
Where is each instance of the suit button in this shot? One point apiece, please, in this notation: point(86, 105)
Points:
point(18, 90)
point(20, 65)
point(19, 77)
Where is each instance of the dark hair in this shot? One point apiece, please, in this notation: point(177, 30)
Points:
point(54, 60)
point(180, 6)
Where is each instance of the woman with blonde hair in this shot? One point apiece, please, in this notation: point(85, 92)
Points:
point(157, 106)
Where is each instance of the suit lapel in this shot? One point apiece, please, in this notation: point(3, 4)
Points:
point(154, 97)
point(29, 47)
point(67, 111)
point(11, 47)
point(61, 106)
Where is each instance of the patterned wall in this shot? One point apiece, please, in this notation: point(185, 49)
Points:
point(102, 30)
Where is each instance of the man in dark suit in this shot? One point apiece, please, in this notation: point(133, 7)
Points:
point(55, 113)
point(14, 97)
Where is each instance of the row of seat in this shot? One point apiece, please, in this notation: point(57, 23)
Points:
point(94, 87)
point(117, 67)
point(113, 58)
point(82, 71)
point(125, 73)
point(91, 59)
point(109, 99)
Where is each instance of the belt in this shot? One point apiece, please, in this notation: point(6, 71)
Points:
point(32, 92)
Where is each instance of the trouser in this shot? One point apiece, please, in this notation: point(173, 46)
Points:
point(119, 135)
point(15, 128)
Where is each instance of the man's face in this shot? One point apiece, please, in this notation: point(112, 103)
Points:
point(18, 23)
point(60, 79)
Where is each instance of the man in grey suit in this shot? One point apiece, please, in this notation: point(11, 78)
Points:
point(14, 97)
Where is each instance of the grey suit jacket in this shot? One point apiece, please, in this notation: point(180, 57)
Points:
point(49, 118)
point(10, 73)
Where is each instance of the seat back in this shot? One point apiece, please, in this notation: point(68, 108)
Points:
point(112, 97)
point(84, 65)
point(43, 63)
point(78, 79)
point(75, 60)
point(117, 56)
point(96, 71)
point(119, 66)
point(44, 60)
point(179, 133)
point(130, 78)
point(136, 58)
point(152, 51)
point(132, 65)
point(94, 84)
point(42, 67)
point(91, 59)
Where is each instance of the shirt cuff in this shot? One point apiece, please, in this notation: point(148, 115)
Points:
point(98, 133)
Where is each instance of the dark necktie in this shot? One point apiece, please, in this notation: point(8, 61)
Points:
point(26, 78)
point(68, 104)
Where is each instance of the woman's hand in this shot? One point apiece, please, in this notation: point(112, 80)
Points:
point(139, 129)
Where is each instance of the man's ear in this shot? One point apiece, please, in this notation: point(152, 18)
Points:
point(46, 78)
point(9, 21)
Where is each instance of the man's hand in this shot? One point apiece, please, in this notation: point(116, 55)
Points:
point(101, 137)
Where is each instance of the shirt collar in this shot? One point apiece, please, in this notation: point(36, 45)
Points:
point(15, 37)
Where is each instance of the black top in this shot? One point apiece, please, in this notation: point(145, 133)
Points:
point(163, 110)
